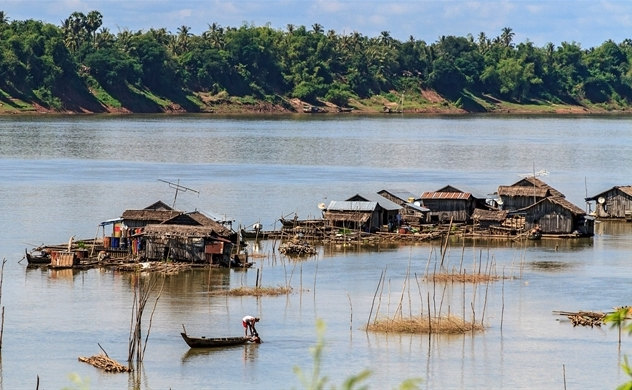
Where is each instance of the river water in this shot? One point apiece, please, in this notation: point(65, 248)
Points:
point(61, 176)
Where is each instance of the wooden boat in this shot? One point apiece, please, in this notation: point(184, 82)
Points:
point(215, 342)
point(37, 257)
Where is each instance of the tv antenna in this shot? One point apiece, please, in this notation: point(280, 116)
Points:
point(178, 187)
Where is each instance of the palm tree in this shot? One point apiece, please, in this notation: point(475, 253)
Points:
point(317, 28)
point(507, 36)
point(183, 39)
point(92, 23)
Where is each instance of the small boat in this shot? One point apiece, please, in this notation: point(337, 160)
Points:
point(215, 342)
point(37, 257)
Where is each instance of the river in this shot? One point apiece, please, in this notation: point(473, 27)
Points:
point(60, 176)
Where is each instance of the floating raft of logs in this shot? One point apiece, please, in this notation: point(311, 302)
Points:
point(105, 363)
point(584, 318)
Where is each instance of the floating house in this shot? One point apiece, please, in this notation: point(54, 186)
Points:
point(388, 211)
point(358, 215)
point(159, 232)
point(412, 212)
point(613, 203)
point(525, 193)
point(449, 204)
point(557, 216)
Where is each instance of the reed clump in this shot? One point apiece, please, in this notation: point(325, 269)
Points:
point(259, 291)
point(461, 277)
point(438, 325)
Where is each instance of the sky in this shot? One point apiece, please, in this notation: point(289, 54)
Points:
point(586, 22)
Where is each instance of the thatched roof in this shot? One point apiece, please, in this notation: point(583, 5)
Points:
point(489, 215)
point(515, 191)
point(532, 181)
point(184, 231)
point(150, 215)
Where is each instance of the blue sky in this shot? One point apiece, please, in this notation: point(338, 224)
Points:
point(589, 23)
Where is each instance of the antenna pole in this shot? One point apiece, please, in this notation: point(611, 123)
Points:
point(178, 187)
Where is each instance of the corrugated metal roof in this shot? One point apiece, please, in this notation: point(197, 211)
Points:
point(379, 199)
point(401, 194)
point(446, 195)
point(346, 205)
point(421, 209)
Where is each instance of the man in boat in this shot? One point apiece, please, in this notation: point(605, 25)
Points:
point(249, 325)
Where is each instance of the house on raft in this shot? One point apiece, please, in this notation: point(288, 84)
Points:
point(450, 204)
point(615, 203)
point(524, 193)
point(367, 212)
point(412, 212)
point(159, 232)
point(189, 237)
point(555, 215)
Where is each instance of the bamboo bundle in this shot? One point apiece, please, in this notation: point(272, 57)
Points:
point(105, 363)
point(584, 318)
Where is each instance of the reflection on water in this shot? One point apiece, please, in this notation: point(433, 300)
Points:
point(552, 266)
point(248, 352)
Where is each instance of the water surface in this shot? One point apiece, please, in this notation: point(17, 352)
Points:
point(61, 176)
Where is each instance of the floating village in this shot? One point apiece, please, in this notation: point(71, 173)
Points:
point(159, 237)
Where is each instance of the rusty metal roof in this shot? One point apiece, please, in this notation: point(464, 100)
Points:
point(446, 195)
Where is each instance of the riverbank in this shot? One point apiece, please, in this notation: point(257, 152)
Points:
point(424, 102)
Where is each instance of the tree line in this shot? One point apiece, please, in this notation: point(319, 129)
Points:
point(52, 65)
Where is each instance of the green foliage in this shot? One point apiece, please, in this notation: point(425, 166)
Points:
point(38, 60)
point(339, 94)
point(628, 371)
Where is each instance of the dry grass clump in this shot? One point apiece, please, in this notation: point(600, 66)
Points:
point(259, 291)
point(440, 325)
point(459, 277)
